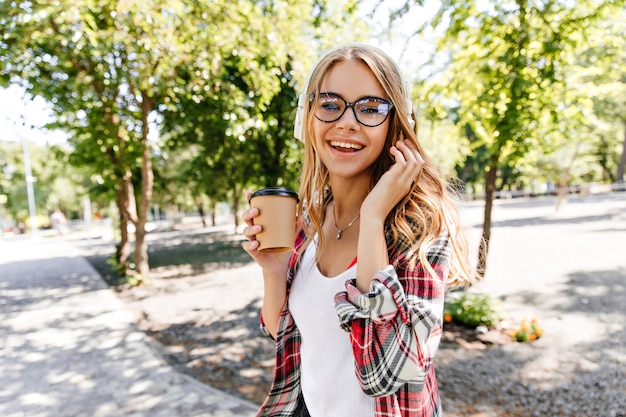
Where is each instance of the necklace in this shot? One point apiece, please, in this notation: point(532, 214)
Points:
point(340, 230)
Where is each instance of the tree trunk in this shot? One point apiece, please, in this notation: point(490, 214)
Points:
point(561, 193)
point(126, 207)
point(622, 161)
point(147, 182)
point(490, 188)
point(236, 205)
point(213, 213)
point(201, 212)
point(123, 248)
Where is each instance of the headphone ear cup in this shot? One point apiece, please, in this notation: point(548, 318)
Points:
point(297, 126)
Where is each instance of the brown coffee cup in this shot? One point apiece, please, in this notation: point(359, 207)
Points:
point(277, 217)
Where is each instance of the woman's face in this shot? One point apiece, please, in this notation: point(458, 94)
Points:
point(346, 147)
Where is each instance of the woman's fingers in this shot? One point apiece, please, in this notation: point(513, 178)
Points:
point(250, 232)
point(408, 161)
point(397, 181)
point(249, 215)
point(411, 155)
point(250, 246)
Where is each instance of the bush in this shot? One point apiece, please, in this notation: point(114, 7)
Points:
point(473, 310)
point(527, 331)
point(125, 276)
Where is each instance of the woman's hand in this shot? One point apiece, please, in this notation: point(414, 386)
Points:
point(395, 183)
point(273, 264)
point(391, 188)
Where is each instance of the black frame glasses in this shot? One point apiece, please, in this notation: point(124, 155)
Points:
point(369, 111)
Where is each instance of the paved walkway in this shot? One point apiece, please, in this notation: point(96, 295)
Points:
point(68, 346)
point(567, 268)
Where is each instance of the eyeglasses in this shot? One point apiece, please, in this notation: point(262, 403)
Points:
point(369, 111)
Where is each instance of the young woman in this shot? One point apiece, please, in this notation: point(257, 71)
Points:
point(356, 309)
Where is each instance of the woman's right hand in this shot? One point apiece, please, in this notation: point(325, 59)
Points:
point(275, 267)
point(273, 264)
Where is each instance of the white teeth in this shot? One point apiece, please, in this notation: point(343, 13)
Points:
point(337, 144)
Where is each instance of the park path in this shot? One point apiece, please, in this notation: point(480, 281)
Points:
point(567, 268)
point(69, 346)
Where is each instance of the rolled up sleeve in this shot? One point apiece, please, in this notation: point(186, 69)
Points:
point(395, 327)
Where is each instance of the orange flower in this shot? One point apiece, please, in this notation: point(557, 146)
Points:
point(447, 318)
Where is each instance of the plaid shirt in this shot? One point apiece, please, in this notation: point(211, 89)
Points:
point(394, 330)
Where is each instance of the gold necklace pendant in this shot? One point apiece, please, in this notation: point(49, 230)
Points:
point(341, 229)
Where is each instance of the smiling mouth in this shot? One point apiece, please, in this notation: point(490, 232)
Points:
point(345, 147)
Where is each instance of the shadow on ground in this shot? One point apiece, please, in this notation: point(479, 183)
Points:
point(504, 391)
point(226, 349)
point(596, 291)
point(19, 294)
point(174, 255)
point(514, 381)
point(67, 352)
point(543, 220)
point(229, 353)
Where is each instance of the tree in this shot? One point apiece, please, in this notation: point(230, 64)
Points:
point(77, 58)
point(601, 77)
point(504, 69)
point(106, 67)
point(111, 68)
point(239, 134)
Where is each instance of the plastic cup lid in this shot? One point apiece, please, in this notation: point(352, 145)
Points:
point(279, 191)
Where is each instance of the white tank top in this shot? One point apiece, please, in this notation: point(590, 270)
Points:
point(328, 379)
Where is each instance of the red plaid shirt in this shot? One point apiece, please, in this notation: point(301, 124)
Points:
point(394, 330)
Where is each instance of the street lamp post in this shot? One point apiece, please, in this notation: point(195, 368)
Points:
point(30, 189)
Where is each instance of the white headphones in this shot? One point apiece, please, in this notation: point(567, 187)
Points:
point(298, 128)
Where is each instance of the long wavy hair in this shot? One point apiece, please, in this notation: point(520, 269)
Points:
point(427, 211)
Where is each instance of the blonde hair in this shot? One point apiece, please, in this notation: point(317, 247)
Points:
point(427, 211)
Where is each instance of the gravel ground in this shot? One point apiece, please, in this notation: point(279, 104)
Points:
point(566, 268)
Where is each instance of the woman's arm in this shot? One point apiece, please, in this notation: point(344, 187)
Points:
point(274, 295)
point(396, 326)
point(372, 251)
point(275, 268)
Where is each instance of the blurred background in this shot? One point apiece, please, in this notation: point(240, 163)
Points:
point(122, 116)
point(131, 132)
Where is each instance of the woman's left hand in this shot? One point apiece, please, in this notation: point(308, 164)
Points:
point(395, 183)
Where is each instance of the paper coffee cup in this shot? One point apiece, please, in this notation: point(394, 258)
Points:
point(277, 217)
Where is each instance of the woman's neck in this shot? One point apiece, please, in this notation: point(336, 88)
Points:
point(348, 195)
